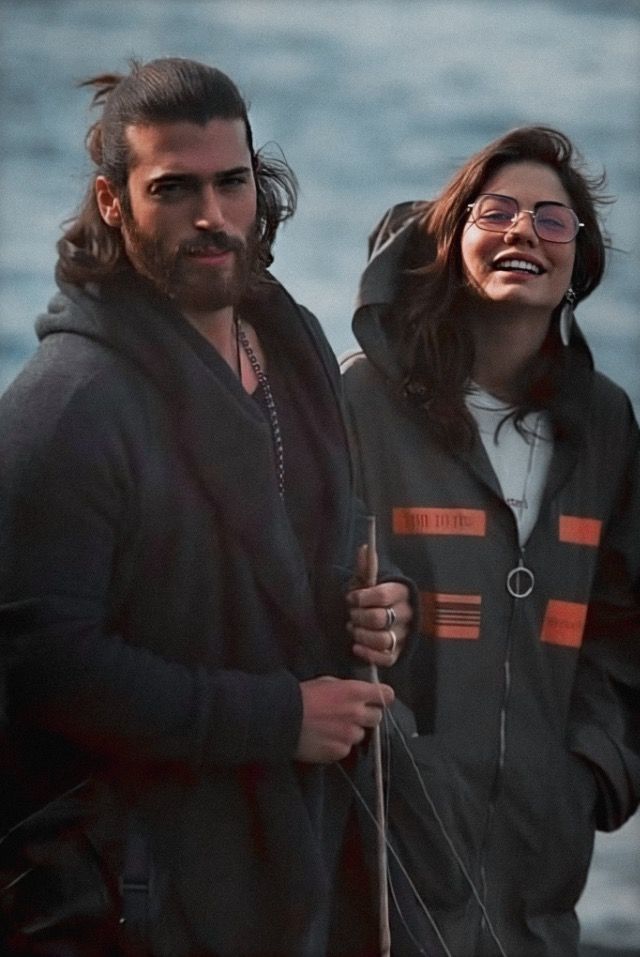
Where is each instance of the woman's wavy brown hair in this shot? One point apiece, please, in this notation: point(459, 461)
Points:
point(166, 90)
point(438, 348)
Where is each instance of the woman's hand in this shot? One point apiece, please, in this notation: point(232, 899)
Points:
point(380, 618)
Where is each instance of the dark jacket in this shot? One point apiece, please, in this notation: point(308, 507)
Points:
point(157, 615)
point(525, 712)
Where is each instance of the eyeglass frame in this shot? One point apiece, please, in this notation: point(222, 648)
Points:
point(532, 212)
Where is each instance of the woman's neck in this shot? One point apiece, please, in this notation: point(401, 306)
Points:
point(505, 344)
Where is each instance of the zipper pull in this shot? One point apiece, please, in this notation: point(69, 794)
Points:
point(520, 580)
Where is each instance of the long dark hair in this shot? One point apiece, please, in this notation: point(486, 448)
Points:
point(166, 90)
point(438, 349)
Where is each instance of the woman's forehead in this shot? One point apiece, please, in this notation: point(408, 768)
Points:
point(527, 181)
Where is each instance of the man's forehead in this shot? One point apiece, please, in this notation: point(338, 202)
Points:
point(218, 143)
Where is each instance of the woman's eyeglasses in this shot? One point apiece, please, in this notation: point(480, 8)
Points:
point(552, 222)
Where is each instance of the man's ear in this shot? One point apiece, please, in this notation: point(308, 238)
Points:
point(108, 202)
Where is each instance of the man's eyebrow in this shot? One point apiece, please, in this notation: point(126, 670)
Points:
point(234, 171)
point(195, 177)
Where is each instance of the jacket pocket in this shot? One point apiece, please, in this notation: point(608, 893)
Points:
point(434, 819)
point(550, 815)
point(52, 880)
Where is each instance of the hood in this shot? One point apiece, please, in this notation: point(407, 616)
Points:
point(392, 245)
point(100, 312)
point(130, 316)
point(398, 244)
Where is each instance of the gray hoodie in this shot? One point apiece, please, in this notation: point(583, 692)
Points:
point(522, 728)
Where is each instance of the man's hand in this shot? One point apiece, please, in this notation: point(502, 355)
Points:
point(336, 715)
point(379, 618)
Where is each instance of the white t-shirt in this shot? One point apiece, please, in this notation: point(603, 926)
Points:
point(521, 463)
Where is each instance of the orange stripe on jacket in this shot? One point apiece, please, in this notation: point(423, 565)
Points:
point(564, 623)
point(579, 531)
point(440, 521)
point(451, 616)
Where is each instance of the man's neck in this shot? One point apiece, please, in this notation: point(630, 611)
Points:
point(218, 329)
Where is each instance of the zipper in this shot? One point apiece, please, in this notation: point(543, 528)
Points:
point(520, 583)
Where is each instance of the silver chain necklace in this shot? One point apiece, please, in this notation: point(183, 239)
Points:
point(263, 382)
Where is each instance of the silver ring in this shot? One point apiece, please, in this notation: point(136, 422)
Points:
point(394, 642)
point(391, 617)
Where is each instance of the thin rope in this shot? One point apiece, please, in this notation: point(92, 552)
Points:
point(456, 855)
point(388, 717)
point(395, 856)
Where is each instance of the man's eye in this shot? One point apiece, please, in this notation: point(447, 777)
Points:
point(233, 182)
point(168, 188)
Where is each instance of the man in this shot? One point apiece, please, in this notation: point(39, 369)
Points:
point(178, 536)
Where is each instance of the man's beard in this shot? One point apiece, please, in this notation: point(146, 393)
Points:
point(177, 274)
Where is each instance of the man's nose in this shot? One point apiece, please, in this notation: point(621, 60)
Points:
point(209, 214)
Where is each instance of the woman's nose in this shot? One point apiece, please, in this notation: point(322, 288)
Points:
point(521, 226)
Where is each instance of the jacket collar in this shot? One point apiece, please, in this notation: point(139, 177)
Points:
point(569, 419)
point(223, 435)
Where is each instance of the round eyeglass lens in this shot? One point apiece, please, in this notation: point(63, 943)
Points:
point(555, 223)
point(495, 213)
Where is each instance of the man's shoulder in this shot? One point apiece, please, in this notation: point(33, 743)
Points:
point(286, 313)
point(70, 387)
point(273, 295)
point(64, 365)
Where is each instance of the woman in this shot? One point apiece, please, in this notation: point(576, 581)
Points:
point(505, 475)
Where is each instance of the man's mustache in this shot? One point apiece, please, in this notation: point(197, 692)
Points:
point(220, 241)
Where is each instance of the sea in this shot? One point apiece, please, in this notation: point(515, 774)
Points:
point(372, 102)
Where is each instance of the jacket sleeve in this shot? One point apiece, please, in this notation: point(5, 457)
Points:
point(66, 505)
point(387, 569)
point(605, 714)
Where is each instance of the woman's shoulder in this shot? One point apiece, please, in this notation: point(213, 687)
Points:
point(350, 359)
point(358, 372)
point(610, 399)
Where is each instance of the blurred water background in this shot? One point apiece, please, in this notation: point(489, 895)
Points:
point(372, 102)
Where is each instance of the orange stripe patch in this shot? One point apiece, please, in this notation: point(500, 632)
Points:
point(451, 616)
point(564, 623)
point(580, 531)
point(440, 521)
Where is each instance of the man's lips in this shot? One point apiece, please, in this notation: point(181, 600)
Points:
point(213, 248)
point(210, 254)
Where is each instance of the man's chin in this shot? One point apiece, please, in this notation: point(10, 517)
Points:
point(210, 299)
point(218, 290)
